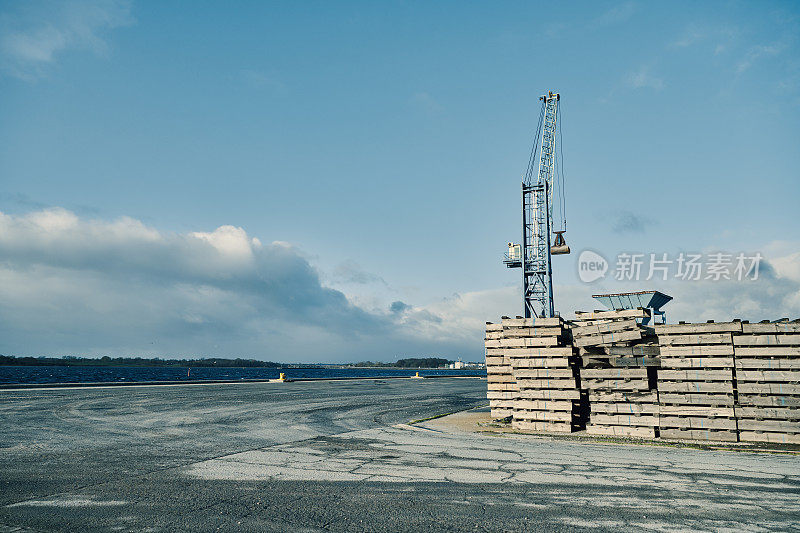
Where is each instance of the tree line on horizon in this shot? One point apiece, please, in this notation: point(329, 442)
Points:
point(215, 362)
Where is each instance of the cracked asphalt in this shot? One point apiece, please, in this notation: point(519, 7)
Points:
point(340, 456)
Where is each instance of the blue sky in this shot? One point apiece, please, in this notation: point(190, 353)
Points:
point(380, 145)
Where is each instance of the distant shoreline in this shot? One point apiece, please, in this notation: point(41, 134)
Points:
point(140, 362)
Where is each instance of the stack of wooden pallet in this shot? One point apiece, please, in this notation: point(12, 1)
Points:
point(696, 381)
point(619, 359)
point(767, 359)
point(502, 390)
point(545, 370)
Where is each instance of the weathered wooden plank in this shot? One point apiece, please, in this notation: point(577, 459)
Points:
point(622, 362)
point(784, 376)
point(525, 384)
point(684, 398)
point(768, 363)
point(502, 386)
point(767, 351)
point(523, 342)
point(498, 395)
point(507, 404)
point(758, 436)
point(769, 388)
point(501, 412)
point(600, 329)
point(493, 335)
point(696, 410)
point(608, 338)
point(783, 426)
point(532, 332)
point(600, 396)
point(619, 373)
point(543, 373)
point(623, 420)
point(699, 434)
point(695, 386)
point(691, 329)
point(494, 327)
point(639, 350)
point(545, 405)
point(612, 314)
point(625, 408)
point(696, 422)
point(554, 427)
point(546, 322)
point(780, 413)
point(760, 400)
point(615, 384)
point(499, 369)
point(621, 431)
point(553, 351)
point(767, 340)
point(696, 374)
point(549, 394)
point(494, 361)
point(696, 362)
point(541, 362)
point(700, 338)
point(544, 416)
point(774, 327)
point(702, 350)
point(500, 378)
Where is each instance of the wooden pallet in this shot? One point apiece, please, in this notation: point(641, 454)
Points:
point(622, 431)
point(764, 436)
point(624, 420)
point(531, 425)
point(698, 328)
point(544, 416)
point(500, 412)
point(527, 384)
point(699, 434)
point(697, 422)
point(692, 398)
point(620, 408)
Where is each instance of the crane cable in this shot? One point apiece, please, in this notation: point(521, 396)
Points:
point(534, 149)
point(561, 192)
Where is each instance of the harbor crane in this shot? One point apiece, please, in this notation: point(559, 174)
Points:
point(534, 254)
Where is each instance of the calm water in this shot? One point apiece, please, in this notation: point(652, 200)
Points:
point(89, 374)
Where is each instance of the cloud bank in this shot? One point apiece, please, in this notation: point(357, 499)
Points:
point(37, 32)
point(78, 286)
point(71, 285)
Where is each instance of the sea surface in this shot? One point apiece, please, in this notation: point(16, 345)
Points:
point(114, 374)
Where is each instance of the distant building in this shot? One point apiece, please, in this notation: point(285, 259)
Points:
point(458, 365)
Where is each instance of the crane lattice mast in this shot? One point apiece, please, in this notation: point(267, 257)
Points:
point(533, 256)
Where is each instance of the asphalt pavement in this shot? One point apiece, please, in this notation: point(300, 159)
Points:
point(341, 456)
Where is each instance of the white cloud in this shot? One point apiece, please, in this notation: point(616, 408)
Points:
point(642, 78)
point(616, 15)
point(756, 53)
point(37, 32)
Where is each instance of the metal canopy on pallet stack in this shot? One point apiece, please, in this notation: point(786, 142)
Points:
point(652, 300)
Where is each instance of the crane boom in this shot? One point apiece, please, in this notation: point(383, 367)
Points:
point(534, 254)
